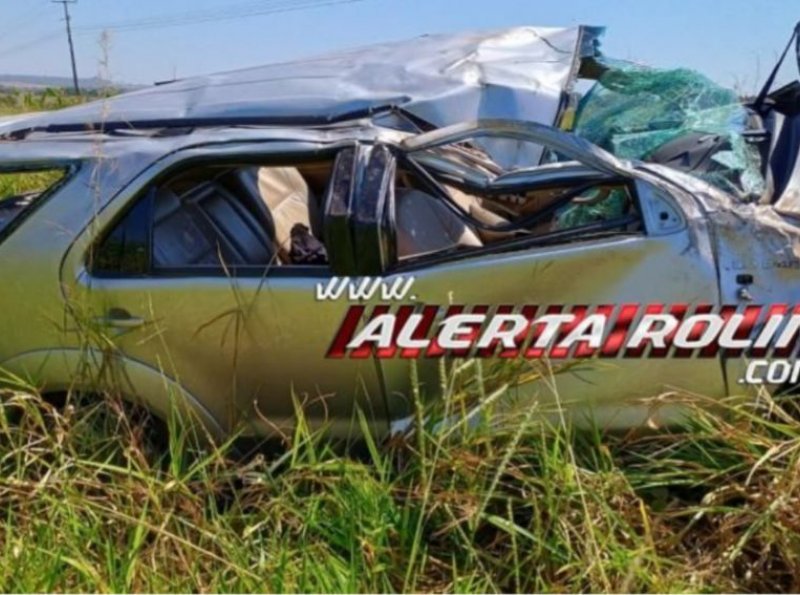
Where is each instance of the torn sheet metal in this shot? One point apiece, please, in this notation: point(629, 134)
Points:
point(527, 133)
point(784, 164)
point(518, 73)
point(750, 239)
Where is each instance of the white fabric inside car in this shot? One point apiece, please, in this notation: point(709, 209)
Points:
point(474, 206)
point(425, 225)
point(289, 200)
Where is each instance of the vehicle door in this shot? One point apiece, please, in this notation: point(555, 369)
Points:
point(618, 263)
point(183, 274)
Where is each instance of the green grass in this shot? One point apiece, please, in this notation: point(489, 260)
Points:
point(15, 184)
point(93, 500)
point(17, 102)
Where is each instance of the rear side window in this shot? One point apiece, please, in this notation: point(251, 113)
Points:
point(20, 191)
point(208, 219)
point(127, 247)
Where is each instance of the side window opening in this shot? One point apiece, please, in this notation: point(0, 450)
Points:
point(474, 216)
point(126, 250)
point(206, 226)
point(218, 217)
point(20, 191)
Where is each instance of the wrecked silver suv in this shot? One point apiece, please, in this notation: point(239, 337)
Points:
point(172, 242)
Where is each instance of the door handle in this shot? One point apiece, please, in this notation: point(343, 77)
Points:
point(120, 319)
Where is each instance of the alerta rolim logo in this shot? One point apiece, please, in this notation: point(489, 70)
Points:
point(765, 334)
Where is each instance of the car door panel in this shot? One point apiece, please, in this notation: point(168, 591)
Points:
point(249, 343)
point(593, 273)
point(668, 264)
point(250, 349)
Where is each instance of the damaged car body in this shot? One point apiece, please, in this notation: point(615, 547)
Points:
point(178, 253)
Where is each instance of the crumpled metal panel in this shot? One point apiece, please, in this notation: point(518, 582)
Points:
point(750, 239)
point(517, 73)
point(784, 167)
point(541, 135)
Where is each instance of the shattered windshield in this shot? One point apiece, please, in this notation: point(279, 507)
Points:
point(675, 117)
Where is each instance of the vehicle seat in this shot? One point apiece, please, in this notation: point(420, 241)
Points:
point(288, 199)
point(207, 223)
point(475, 208)
point(425, 225)
point(181, 237)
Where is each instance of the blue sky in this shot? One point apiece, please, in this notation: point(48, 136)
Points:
point(735, 42)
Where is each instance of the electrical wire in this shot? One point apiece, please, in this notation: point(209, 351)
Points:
point(31, 43)
point(210, 13)
point(23, 21)
point(235, 12)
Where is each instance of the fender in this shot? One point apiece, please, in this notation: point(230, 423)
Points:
point(63, 369)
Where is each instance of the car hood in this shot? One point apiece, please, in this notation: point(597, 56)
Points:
point(518, 73)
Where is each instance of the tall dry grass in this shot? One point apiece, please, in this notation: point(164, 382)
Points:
point(96, 498)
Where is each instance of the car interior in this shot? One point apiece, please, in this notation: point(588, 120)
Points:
point(241, 216)
point(425, 224)
point(214, 216)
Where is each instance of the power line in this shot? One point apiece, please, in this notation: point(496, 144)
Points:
point(65, 4)
point(210, 13)
point(13, 27)
point(227, 14)
point(28, 44)
point(233, 12)
point(240, 10)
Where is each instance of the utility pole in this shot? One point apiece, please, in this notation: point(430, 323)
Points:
point(66, 4)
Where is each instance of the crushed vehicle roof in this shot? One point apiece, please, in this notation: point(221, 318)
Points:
point(72, 146)
point(518, 73)
point(675, 117)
